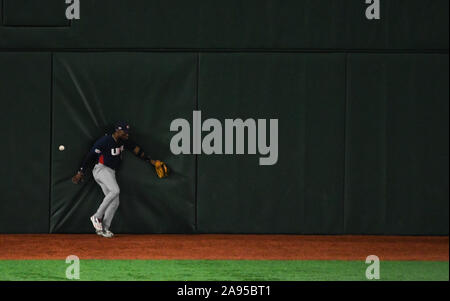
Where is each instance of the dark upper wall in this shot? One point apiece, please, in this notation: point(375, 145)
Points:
point(232, 24)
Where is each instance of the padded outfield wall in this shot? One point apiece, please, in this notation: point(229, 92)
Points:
point(362, 107)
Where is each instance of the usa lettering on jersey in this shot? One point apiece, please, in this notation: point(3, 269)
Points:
point(116, 151)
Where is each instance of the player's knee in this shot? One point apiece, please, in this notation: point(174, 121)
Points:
point(115, 192)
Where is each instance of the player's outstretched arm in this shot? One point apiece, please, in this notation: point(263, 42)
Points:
point(78, 177)
point(160, 167)
point(94, 152)
point(137, 151)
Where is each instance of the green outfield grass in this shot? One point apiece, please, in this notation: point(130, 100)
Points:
point(237, 270)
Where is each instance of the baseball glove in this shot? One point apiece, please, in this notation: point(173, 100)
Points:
point(161, 169)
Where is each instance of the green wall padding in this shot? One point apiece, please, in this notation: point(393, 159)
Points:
point(91, 92)
point(362, 108)
point(303, 192)
point(397, 144)
point(25, 85)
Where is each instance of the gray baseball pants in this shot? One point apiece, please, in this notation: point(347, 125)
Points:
point(106, 178)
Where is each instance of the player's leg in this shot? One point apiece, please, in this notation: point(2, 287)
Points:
point(107, 177)
point(109, 213)
point(105, 191)
point(99, 222)
point(110, 210)
point(103, 187)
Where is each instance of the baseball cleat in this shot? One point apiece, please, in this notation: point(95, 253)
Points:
point(96, 223)
point(107, 234)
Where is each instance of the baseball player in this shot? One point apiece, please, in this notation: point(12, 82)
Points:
point(107, 153)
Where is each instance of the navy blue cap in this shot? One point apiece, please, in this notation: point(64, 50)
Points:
point(122, 125)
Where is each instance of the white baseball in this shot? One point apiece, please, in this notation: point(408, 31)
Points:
point(61, 147)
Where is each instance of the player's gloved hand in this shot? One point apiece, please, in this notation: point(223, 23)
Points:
point(161, 168)
point(77, 178)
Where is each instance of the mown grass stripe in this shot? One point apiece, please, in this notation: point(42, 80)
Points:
point(221, 270)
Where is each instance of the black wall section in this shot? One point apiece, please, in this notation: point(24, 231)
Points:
point(25, 83)
point(35, 13)
point(403, 25)
point(398, 126)
point(303, 192)
point(149, 90)
point(237, 24)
